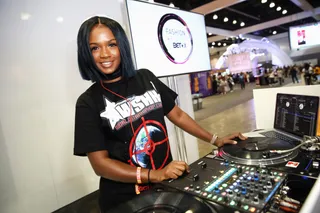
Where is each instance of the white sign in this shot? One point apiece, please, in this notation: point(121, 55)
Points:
point(166, 40)
point(239, 63)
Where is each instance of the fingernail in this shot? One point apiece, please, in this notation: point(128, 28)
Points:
point(235, 142)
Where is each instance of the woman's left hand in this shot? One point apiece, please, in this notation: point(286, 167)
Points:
point(228, 139)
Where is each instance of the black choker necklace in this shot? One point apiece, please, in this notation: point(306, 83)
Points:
point(116, 74)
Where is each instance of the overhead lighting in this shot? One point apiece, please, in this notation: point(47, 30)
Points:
point(210, 34)
point(212, 46)
point(242, 24)
point(59, 19)
point(213, 43)
point(272, 5)
point(278, 8)
point(274, 32)
point(234, 22)
point(263, 1)
point(226, 19)
point(224, 44)
point(219, 44)
point(171, 5)
point(25, 16)
point(284, 12)
point(215, 16)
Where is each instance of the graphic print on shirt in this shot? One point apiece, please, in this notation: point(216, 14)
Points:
point(118, 113)
point(149, 139)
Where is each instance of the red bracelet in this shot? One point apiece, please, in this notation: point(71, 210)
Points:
point(139, 175)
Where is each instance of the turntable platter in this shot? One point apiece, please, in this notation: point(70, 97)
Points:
point(164, 202)
point(255, 151)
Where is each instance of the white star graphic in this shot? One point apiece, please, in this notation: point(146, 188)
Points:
point(110, 113)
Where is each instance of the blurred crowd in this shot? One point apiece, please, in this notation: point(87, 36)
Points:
point(223, 84)
point(306, 74)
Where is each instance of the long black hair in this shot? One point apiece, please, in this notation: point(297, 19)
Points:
point(87, 67)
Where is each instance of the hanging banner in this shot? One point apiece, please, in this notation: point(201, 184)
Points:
point(239, 63)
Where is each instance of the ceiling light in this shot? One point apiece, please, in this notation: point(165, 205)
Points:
point(226, 19)
point(212, 46)
point(278, 8)
point(171, 5)
point(263, 1)
point(274, 32)
point(234, 22)
point(224, 44)
point(284, 12)
point(215, 16)
point(272, 5)
point(25, 16)
point(213, 43)
point(242, 24)
point(210, 34)
point(219, 44)
point(59, 19)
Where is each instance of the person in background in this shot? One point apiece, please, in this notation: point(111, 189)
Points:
point(119, 119)
point(223, 85)
point(280, 76)
point(214, 85)
point(293, 73)
point(230, 82)
point(271, 78)
point(242, 80)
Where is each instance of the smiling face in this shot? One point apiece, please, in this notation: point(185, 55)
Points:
point(104, 49)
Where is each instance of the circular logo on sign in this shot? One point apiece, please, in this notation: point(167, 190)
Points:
point(175, 38)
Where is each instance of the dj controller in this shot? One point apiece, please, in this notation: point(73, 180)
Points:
point(235, 179)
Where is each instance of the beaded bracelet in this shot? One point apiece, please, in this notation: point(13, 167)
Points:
point(139, 175)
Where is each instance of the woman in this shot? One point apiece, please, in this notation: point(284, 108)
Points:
point(119, 121)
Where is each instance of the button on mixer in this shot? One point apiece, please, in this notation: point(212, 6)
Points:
point(260, 195)
point(195, 177)
point(203, 165)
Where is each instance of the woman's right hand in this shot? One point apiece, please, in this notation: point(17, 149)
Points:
point(172, 171)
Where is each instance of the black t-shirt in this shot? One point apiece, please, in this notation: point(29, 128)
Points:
point(103, 122)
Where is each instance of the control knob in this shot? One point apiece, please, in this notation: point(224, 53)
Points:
point(260, 195)
point(195, 177)
point(256, 199)
point(198, 188)
point(203, 165)
point(269, 184)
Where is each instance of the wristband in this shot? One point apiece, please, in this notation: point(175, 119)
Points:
point(149, 175)
point(213, 139)
point(139, 175)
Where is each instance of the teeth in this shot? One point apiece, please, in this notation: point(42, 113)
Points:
point(106, 64)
